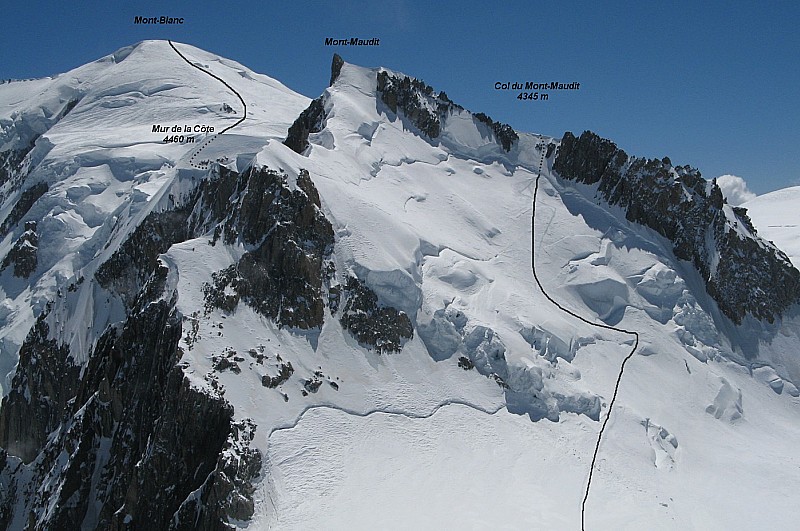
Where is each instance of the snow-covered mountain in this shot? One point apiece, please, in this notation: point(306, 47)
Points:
point(327, 316)
point(777, 219)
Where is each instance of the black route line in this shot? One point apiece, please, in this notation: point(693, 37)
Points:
point(583, 319)
point(208, 141)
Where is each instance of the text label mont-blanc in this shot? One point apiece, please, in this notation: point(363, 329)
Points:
point(158, 20)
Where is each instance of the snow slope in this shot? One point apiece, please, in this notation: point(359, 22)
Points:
point(776, 218)
point(441, 230)
point(410, 214)
point(106, 168)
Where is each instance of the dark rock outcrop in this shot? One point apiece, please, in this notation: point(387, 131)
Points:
point(121, 445)
point(743, 273)
point(228, 361)
point(383, 328)
point(11, 164)
point(311, 120)
point(411, 96)
point(287, 236)
point(312, 385)
point(336, 68)
point(213, 204)
point(227, 495)
point(24, 254)
point(503, 132)
point(131, 265)
point(429, 111)
point(285, 371)
point(23, 205)
point(283, 273)
point(45, 380)
point(181, 452)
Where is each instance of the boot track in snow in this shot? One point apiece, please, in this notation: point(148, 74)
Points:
point(210, 139)
point(583, 319)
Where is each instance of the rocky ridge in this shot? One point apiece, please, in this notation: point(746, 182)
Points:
point(743, 273)
point(23, 255)
point(288, 238)
point(117, 433)
point(427, 110)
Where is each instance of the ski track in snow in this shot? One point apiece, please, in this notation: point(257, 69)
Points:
point(583, 319)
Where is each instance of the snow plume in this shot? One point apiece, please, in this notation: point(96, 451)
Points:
point(735, 190)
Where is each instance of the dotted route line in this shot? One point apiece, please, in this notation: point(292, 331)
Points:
point(208, 141)
point(201, 147)
point(592, 323)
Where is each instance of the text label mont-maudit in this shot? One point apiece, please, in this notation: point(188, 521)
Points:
point(352, 41)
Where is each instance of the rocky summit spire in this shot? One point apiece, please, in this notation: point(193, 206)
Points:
point(336, 68)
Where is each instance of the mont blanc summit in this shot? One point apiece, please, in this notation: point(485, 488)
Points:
point(226, 304)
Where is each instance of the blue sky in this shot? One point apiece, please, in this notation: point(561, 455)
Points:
point(711, 84)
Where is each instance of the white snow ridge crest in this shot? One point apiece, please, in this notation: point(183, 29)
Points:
point(327, 315)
